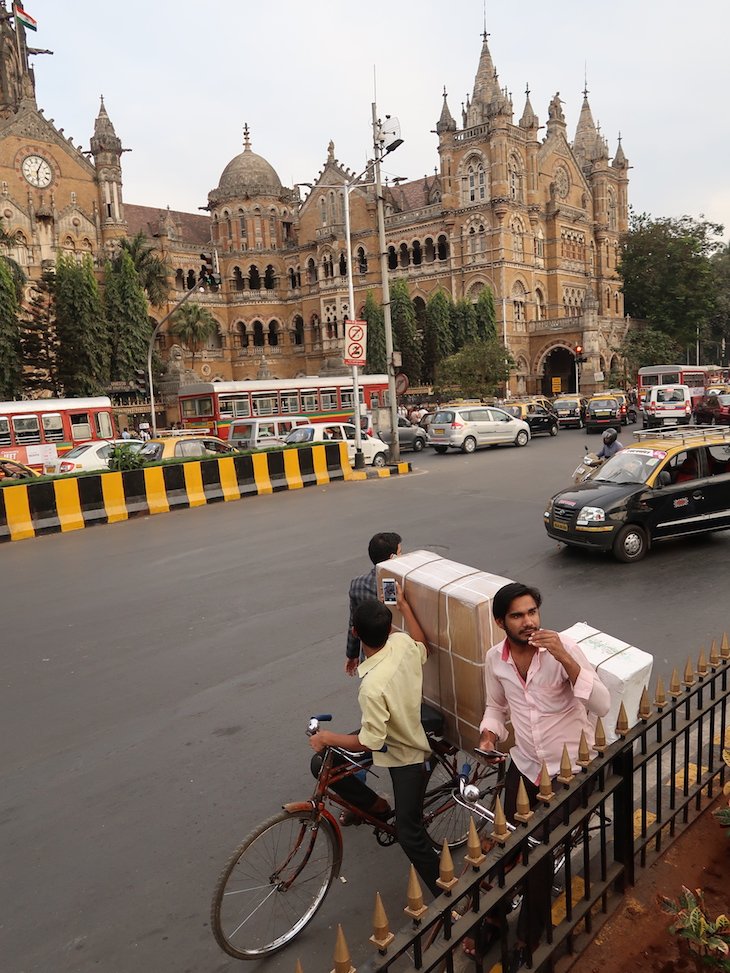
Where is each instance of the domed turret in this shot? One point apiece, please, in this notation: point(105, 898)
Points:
point(248, 174)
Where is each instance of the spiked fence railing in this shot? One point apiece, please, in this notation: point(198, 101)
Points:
point(628, 802)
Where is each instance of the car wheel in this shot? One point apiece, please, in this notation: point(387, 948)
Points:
point(469, 445)
point(440, 449)
point(553, 430)
point(418, 444)
point(379, 459)
point(521, 439)
point(630, 544)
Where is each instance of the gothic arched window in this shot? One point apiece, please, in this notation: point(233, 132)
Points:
point(514, 173)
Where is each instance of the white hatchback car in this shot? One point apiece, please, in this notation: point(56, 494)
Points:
point(468, 427)
point(374, 450)
point(89, 456)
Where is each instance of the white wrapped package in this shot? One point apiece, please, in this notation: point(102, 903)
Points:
point(622, 668)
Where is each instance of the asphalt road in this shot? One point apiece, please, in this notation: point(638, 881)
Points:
point(157, 678)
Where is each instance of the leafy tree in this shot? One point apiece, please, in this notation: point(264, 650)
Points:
point(11, 367)
point(193, 324)
point(39, 340)
point(376, 357)
point(405, 333)
point(647, 346)
point(83, 347)
point(463, 323)
point(7, 242)
point(486, 315)
point(127, 319)
point(437, 338)
point(668, 276)
point(720, 323)
point(478, 369)
point(151, 268)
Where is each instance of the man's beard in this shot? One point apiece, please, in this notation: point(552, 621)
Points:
point(521, 637)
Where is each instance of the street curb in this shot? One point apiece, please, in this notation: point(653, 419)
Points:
point(378, 473)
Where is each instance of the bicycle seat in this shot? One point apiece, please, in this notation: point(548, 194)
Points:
point(431, 720)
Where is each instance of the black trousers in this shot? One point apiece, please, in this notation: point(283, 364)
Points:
point(409, 785)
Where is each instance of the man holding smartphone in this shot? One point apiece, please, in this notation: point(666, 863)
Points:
point(381, 548)
point(390, 703)
point(546, 686)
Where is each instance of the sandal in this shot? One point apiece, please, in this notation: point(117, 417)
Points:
point(487, 934)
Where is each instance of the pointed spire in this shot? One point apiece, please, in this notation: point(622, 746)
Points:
point(446, 122)
point(104, 138)
point(586, 133)
point(619, 160)
point(246, 137)
point(485, 81)
point(529, 118)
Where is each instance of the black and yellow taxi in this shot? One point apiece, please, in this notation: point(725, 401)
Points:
point(603, 412)
point(11, 471)
point(536, 414)
point(571, 410)
point(666, 485)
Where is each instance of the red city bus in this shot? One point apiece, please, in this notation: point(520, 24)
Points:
point(38, 431)
point(214, 405)
point(695, 377)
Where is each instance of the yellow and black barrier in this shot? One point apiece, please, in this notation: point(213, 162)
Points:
point(30, 509)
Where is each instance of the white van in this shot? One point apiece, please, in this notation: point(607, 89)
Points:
point(667, 405)
point(260, 432)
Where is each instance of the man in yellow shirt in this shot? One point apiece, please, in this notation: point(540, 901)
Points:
point(390, 703)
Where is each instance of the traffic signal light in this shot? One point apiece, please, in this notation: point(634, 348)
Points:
point(208, 274)
point(141, 382)
point(579, 356)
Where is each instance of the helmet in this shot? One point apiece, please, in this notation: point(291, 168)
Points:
point(609, 437)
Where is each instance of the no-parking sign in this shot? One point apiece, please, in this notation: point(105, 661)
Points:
point(356, 342)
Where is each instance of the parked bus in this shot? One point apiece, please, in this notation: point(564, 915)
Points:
point(214, 405)
point(38, 431)
point(695, 377)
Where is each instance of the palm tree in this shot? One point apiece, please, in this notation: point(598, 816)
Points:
point(152, 269)
point(193, 324)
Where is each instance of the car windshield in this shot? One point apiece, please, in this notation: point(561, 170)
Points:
point(443, 417)
point(633, 465)
point(566, 404)
point(669, 395)
point(78, 450)
point(302, 434)
point(151, 451)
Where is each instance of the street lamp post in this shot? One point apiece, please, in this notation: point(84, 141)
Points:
point(378, 141)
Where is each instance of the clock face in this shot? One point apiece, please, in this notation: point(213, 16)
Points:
point(562, 182)
point(37, 171)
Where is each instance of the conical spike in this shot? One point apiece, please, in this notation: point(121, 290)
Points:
point(622, 723)
point(584, 753)
point(689, 674)
point(645, 705)
point(660, 700)
point(382, 936)
point(500, 832)
point(473, 844)
point(724, 647)
point(523, 812)
point(546, 792)
point(714, 655)
point(674, 687)
point(702, 663)
point(566, 767)
point(298, 967)
point(415, 907)
point(599, 743)
point(342, 960)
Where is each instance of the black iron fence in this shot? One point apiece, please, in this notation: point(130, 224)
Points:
point(592, 835)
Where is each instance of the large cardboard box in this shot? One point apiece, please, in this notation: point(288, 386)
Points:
point(453, 603)
point(622, 668)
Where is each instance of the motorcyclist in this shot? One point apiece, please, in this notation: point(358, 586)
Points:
point(611, 445)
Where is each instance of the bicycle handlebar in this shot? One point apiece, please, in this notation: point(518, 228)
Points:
point(313, 727)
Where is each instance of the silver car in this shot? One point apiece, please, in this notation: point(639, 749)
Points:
point(467, 428)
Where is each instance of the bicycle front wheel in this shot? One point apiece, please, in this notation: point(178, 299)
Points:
point(443, 816)
point(274, 883)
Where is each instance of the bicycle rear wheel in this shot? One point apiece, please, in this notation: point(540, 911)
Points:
point(273, 884)
point(444, 817)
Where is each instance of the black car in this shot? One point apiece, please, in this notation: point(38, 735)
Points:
point(571, 410)
point(669, 486)
point(537, 417)
point(604, 412)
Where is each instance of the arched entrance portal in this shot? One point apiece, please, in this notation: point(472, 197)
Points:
point(559, 364)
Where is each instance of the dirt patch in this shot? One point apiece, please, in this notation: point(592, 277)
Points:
point(635, 939)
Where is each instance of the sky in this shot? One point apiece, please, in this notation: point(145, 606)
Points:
point(180, 79)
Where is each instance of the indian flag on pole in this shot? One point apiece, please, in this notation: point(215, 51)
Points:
point(25, 19)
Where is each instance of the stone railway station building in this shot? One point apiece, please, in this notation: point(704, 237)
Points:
point(512, 205)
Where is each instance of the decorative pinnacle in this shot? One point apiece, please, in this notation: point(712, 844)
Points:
point(446, 879)
point(702, 663)
point(546, 792)
point(584, 753)
point(660, 700)
point(500, 833)
point(622, 722)
point(714, 655)
point(523, 812)
point(475, 856)
point(566, 767)
point(415, 907)
point(644, 705)
point(382, 937)
point(674, 686)
point(527, 89)
point(725, 647)
point(246, 139)
point(689, 676)
point(342, 960)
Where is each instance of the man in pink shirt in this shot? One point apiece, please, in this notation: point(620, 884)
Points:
point(544, 684)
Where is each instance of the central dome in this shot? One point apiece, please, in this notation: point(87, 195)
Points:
point(248, 173)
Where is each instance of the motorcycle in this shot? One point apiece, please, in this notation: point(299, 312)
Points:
point(587, 467)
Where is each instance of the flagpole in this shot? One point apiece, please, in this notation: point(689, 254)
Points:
point(21, 65)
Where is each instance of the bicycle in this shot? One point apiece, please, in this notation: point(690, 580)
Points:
point(279, 876)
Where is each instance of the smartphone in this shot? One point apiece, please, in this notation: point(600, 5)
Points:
point(389, 591)
point(490, 754)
